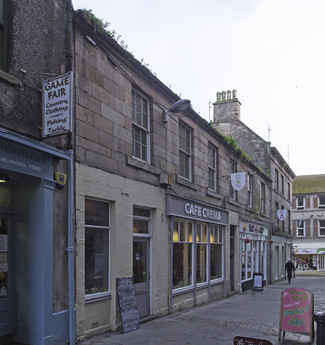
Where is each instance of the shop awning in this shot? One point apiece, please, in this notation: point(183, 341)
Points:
point(309, 248)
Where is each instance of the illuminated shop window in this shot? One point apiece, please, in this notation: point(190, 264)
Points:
point(216, 252)
point(201, 252)
point(182, 253)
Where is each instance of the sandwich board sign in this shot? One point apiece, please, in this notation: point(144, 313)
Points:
point(297, 310)
point(250, 341)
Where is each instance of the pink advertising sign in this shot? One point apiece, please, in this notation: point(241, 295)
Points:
point(296, 313)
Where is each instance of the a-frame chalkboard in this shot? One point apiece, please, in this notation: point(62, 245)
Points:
point(128, 304)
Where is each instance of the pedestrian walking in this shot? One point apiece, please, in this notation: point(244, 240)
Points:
point(289, 268)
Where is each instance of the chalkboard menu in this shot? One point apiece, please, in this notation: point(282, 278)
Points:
point(128, 305)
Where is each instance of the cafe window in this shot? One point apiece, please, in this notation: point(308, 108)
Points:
point(201, 252)
point(97, 226)
point(182, 253)
point(216, 252)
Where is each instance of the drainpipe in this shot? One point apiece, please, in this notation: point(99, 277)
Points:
point(69, 249)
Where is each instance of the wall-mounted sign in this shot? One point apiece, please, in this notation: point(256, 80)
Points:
point(57, 105)
point(282, 215)
point(297, 310)
point(238, 180)
point(191, 209)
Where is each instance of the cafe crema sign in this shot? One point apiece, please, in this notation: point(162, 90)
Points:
point(201, 212)
point(57, 105)
point(180, 207)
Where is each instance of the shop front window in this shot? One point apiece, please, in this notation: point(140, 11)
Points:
point(182, 253)
point(216, 252)
point(96, 246)
point(201, 253)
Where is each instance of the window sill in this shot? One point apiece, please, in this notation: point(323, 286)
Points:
point(214, 194)
point(185, 182)
point(182, 290)
point(142, 165)
point(11, 79)
point(233, 202)
point(97, 297)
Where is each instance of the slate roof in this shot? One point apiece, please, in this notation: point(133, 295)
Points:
point(307, 184)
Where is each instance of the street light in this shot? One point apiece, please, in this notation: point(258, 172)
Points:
point(180, 105)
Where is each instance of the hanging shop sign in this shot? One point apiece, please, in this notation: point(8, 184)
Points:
point(296, 313)
point(282, 215)
point(186, 208)
point(238, 180)
point(57, 105)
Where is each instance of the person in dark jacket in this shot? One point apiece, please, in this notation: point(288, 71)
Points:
point(289, 268)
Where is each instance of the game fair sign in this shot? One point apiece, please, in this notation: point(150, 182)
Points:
point(57, 105)
point(296, 314)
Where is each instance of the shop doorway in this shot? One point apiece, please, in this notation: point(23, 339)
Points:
point(141, 274)
point(6, 277)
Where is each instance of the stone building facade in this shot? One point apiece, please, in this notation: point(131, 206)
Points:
point(154, 199)
point(308, 222)
point(148, 194)
point(227, 120)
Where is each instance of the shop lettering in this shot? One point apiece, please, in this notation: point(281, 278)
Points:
point(55, 88)
point(296, 322)
point(296, 311)
point(202, 212)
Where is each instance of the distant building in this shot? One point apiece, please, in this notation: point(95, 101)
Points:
point(308, 222)
point(269, 160)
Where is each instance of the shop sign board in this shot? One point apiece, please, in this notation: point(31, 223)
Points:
point(296, 314)
point(57, 105)
point(128, 304)
point(250, 341)
point(191, 209)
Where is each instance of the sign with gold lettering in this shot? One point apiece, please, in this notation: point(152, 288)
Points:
point(297, 309)
point(57, 105)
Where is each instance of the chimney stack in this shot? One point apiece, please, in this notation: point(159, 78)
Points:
point(227, 107)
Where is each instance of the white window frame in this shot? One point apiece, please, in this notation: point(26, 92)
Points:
point(301, 226)
point(262, 196)
point(276, 180)
point(321, 227)
point(191, 242)
point(250, 190)
point(220, 230)
point(104, 294)
point(300, 207)
point(144, 218)
point(184, 152)
point(233, 169)
point(213, 163)
point(321, 205)
point(142, 126)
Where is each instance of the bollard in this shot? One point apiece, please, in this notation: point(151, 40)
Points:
point(320, 320)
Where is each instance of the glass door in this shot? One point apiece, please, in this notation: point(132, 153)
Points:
point(141, 274)
point(6, 279)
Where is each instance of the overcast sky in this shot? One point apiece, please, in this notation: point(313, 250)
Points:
point(271, 51)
